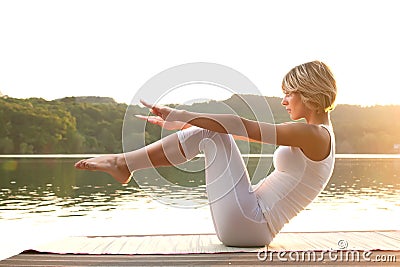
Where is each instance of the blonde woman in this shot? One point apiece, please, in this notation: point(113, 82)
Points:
point(246, 215)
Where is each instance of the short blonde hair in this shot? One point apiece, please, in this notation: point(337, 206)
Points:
point(315, 83)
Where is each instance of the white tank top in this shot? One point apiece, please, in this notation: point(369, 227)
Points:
point(294, 184)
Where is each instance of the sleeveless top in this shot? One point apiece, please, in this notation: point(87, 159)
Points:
point(294, 184)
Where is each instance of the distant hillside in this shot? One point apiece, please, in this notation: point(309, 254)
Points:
point(94, 124)
point(88, 99)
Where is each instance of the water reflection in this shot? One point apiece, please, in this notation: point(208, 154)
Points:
point(52, 187)
point(365, 178)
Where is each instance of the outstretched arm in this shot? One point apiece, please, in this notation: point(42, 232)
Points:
point(222, 123)
point(313, 140)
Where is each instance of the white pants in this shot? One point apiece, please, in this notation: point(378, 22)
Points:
point(237, 216)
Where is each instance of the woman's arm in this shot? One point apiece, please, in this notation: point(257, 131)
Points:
point(310, 138)
point(222, 123)
point(232, 124)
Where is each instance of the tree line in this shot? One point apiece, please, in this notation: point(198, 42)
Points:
point(94, 124)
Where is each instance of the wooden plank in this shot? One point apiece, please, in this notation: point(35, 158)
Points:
point(206, 250)
point(216, 259)
point(183, 244)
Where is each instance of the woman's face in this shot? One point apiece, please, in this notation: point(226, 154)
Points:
point(294, 106)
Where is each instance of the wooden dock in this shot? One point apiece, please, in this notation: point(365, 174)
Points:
point(356, 248)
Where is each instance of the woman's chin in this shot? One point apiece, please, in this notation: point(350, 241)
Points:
point(294, 118)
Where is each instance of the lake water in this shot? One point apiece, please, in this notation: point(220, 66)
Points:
point(46, 198)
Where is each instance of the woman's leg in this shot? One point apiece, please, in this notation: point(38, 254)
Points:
point(237, 217)
point(164, 152)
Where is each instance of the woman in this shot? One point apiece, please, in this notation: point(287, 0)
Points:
point(246, 215)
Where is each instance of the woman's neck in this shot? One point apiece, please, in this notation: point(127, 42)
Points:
point(318, 118)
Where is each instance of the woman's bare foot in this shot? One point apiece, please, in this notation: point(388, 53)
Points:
point(113, 164)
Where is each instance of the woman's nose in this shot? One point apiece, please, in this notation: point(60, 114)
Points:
point(284, 101)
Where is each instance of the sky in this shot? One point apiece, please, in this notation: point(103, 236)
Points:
point(53, 49)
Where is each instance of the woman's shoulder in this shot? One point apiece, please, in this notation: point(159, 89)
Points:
point(308, 137)
point(307, 126)
point(317, 140)
point(302, 126)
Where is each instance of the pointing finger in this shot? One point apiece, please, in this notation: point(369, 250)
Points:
point(146, 104)
point(141, 117)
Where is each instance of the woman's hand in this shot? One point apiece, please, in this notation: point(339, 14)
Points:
point(168, 125)
point(163, 112)
point(164, 117)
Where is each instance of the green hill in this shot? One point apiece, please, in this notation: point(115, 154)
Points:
point(94, 124)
